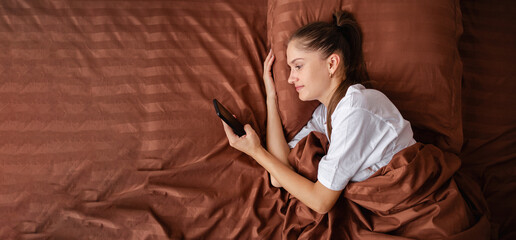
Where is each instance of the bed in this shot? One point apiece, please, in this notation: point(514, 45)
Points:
point(108, 128)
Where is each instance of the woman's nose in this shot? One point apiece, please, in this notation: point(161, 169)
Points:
point(291, 79)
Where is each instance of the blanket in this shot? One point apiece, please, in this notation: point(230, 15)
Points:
point(414, 197)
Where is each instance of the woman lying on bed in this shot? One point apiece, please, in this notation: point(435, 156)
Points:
point(363, 127)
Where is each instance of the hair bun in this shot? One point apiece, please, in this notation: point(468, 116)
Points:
point(342, 18)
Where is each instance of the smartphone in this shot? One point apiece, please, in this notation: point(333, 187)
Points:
point(228, 118)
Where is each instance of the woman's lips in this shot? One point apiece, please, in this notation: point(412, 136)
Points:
point(299, 88)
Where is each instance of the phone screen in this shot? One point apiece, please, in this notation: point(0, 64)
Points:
point(228, 118)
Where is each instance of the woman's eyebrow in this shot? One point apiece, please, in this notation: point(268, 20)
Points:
point(291, 62)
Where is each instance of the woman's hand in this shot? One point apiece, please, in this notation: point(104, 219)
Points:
point(249, 143)
point(270, 89)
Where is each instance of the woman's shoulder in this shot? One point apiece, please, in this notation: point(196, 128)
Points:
point(357, 96)
point(367, 102)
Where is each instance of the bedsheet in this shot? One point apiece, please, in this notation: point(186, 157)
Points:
point(107, 124)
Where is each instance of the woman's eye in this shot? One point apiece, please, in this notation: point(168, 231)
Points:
point(298, 67)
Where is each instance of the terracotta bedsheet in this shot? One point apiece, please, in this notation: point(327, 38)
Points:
point(107, 124)
point(108, 130)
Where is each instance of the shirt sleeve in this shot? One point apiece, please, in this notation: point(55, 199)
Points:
point(316, 123)
point(358, 139)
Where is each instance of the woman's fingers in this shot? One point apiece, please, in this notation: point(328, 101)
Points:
point(270, 89)
point(271, 61)
point(229, 132)
point(266, 61)
point(248, 143)
point(248, 129)
point(267, 64)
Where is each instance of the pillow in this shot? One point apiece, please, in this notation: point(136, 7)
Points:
point(410, 49)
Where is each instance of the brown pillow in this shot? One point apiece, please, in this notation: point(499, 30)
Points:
point(410, 48)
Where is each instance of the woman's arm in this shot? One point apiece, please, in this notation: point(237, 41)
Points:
point(275, 140)
point(314, 195)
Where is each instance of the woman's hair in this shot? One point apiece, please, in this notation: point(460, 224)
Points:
point(343, 37)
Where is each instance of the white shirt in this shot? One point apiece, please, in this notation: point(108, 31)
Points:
point(367, 130)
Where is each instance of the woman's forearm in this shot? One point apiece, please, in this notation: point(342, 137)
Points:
point(276, 142)
point(314, 195)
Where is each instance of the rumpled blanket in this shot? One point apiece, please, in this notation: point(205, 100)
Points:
point(414, 197)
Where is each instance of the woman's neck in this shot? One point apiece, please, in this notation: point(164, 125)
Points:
point(326, 98)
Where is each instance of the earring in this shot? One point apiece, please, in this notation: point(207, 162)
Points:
point(331, 74)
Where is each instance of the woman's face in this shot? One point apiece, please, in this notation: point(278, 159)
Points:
point(309, 73)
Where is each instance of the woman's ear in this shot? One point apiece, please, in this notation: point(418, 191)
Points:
point(333, 63)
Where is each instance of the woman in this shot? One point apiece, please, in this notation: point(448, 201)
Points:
point(363, 127)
